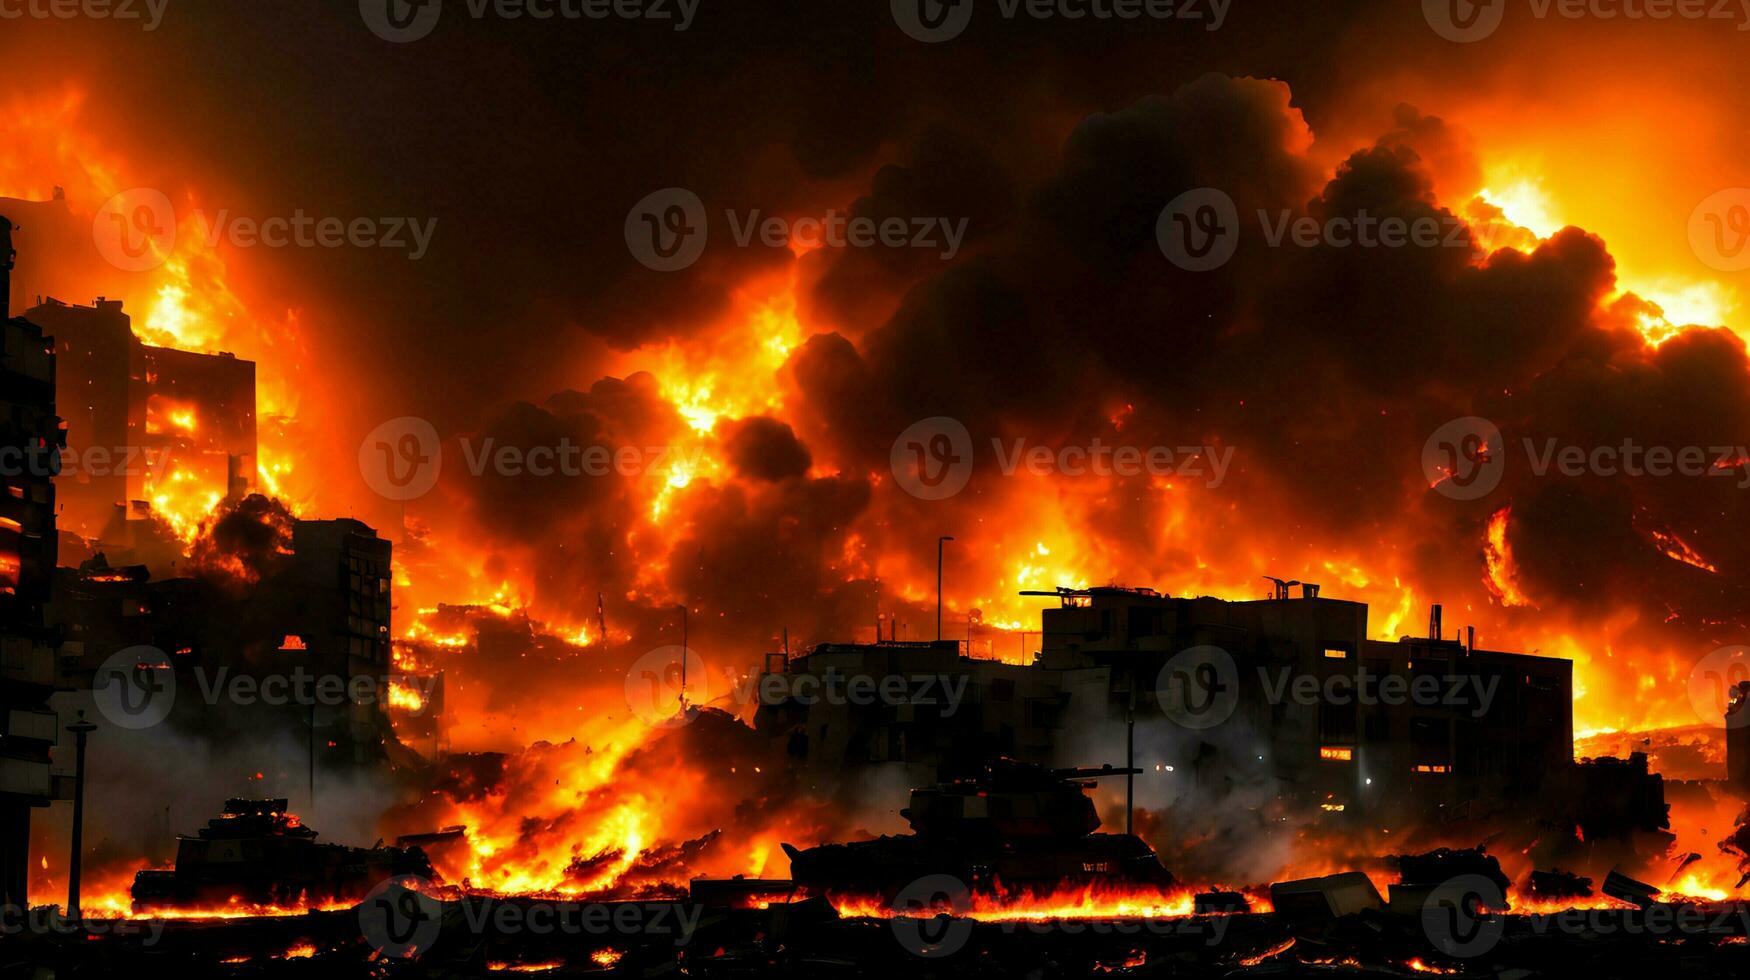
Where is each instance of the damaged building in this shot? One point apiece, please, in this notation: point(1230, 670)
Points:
point(141, 418)
point(31, 435)
point(320, 610)
point(1348, 730)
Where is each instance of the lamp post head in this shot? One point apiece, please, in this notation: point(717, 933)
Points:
point(81, 727)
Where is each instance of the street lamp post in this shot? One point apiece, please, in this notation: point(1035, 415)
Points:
point(80, 729)
point(944, 539)
point(684, 654)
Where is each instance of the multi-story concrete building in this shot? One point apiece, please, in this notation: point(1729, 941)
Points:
point(143, 420)
point(340, 572)
point(1287, 695)
point(30, 439)
point(320, 611)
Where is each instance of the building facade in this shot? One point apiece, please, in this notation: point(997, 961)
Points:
point(1286, 698)
point(31, 436)
point(159, 420)
point(320, 611)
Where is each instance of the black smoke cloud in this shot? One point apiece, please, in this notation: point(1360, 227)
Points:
point(1323, 368)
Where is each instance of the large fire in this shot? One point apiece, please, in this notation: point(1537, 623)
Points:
point(593, 799)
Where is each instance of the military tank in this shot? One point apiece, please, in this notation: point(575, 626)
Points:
point(258, 855)
point(1015, 826)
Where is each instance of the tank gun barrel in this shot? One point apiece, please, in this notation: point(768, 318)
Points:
point(1090, 772)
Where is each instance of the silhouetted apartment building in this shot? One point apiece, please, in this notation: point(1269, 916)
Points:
point(1287, 696)
point(144, 421)
point(340, 574)
point(321, 611)
point(30, 437)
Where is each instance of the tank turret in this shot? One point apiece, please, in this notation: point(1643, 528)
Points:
point(1015, 825)
point(1009, 799)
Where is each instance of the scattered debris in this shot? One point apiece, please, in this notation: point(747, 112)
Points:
point(1446, 863)
point(1328, 897)
point(1558, 884)
point(1620, 886)
point(1204, 902)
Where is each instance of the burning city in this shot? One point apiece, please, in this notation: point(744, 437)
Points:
point(840, 491)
